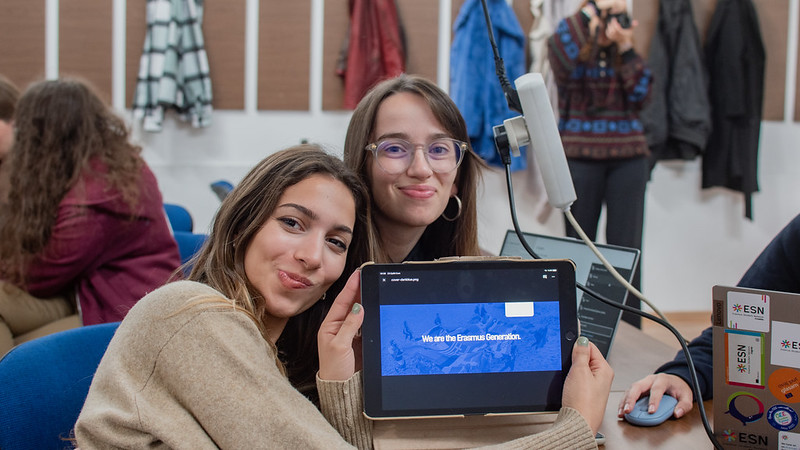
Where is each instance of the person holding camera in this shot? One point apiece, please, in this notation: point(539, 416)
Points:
point(602, 86)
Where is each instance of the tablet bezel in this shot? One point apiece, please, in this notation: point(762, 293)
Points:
point(494, 386)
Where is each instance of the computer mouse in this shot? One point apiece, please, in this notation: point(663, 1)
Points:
point(640, 417)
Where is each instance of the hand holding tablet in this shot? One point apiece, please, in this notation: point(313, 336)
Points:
point(588, 383)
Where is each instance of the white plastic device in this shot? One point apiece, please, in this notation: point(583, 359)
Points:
point(537, 127)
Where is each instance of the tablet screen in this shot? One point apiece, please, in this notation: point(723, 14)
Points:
point(459, 338)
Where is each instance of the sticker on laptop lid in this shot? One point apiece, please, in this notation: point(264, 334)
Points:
point(788, 441)
point(747, 311)
point(782, 417)
point(784, 384)
point(785, 347)
point(744, 358)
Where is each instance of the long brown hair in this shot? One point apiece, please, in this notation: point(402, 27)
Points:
point(220, 263)
point(61, 125)
point(441, 238)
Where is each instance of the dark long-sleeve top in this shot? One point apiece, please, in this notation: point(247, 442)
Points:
point(598, 100)
point(106, 253)
point(777, 268)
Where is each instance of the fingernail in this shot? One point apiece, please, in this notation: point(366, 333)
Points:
point(356, 308)
point(651, 408)
point(625, 408)
point(583, 341)
point(678, 412)
point(619, 412)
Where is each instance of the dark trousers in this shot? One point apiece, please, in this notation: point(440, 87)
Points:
point(620, 185)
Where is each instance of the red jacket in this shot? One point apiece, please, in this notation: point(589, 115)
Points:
point(375, 50)
point(107, 254)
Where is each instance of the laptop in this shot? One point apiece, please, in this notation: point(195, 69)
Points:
point(756, 347)
point(598, 320)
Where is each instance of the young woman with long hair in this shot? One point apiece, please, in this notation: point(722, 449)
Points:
point(219, 360)
point(84, 217)
point(423, 202)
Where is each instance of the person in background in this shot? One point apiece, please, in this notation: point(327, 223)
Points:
point(409, 143)
point(602, 86)
point(9, 94)
point(84, 218)
point(215, 361)
point(777, 268)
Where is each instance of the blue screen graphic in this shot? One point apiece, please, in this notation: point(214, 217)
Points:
point(425, 339)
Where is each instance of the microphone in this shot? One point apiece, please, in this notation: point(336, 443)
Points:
point(537, 122)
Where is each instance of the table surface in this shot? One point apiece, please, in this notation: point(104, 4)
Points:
point(633, 356)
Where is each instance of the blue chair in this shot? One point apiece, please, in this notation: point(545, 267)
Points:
point(189, 244)
point(43, 385)
point(222, 188)
point(179, 217)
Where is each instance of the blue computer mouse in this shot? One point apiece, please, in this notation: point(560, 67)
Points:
point(639, 415)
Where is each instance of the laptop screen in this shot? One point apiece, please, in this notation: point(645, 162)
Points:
point(598, 320)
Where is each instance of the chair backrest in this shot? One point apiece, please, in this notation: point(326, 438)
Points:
point(179, 217)
point(188, 244)
point(222, 188)
point(43, 385)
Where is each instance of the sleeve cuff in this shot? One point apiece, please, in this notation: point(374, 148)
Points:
point(342, 403)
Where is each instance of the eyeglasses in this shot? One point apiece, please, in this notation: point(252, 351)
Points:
point(394, 155)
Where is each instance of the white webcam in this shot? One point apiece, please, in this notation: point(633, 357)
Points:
point(537, 127)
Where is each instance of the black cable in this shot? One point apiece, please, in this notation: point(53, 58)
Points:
point(512, 97)
point(695, 383)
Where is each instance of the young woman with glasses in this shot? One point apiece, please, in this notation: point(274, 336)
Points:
point(409, 143)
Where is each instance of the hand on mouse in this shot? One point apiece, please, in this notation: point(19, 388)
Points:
point(658, 384)
point(588, 383)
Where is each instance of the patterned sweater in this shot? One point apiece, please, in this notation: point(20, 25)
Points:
point(599, 99)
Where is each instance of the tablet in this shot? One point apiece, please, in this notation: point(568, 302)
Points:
point(466, 337)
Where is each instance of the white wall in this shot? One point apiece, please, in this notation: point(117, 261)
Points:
point(693, 239)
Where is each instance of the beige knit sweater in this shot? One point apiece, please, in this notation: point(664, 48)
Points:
point(197, 377)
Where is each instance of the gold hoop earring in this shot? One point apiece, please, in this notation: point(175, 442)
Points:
point(458, 214)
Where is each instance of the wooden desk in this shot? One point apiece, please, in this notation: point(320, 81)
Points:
point(633, 356)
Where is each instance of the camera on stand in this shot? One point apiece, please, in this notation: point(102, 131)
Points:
point(623, 18)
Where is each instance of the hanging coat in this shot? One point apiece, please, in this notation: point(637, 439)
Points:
point(677, 121)
point(375, 48)
point(736, 58)
point(474, 86)
point(173, 69)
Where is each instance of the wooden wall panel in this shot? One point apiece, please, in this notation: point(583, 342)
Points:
point(337, 19)
point(773, 16)
point(22, 40)
point(136, 18)
point(84, 42)
point(420, 20)
point(224, 33)
point(645, 12)
point(284, 54)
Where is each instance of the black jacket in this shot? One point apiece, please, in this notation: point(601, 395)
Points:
point(736, 58)
point(677, 121)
